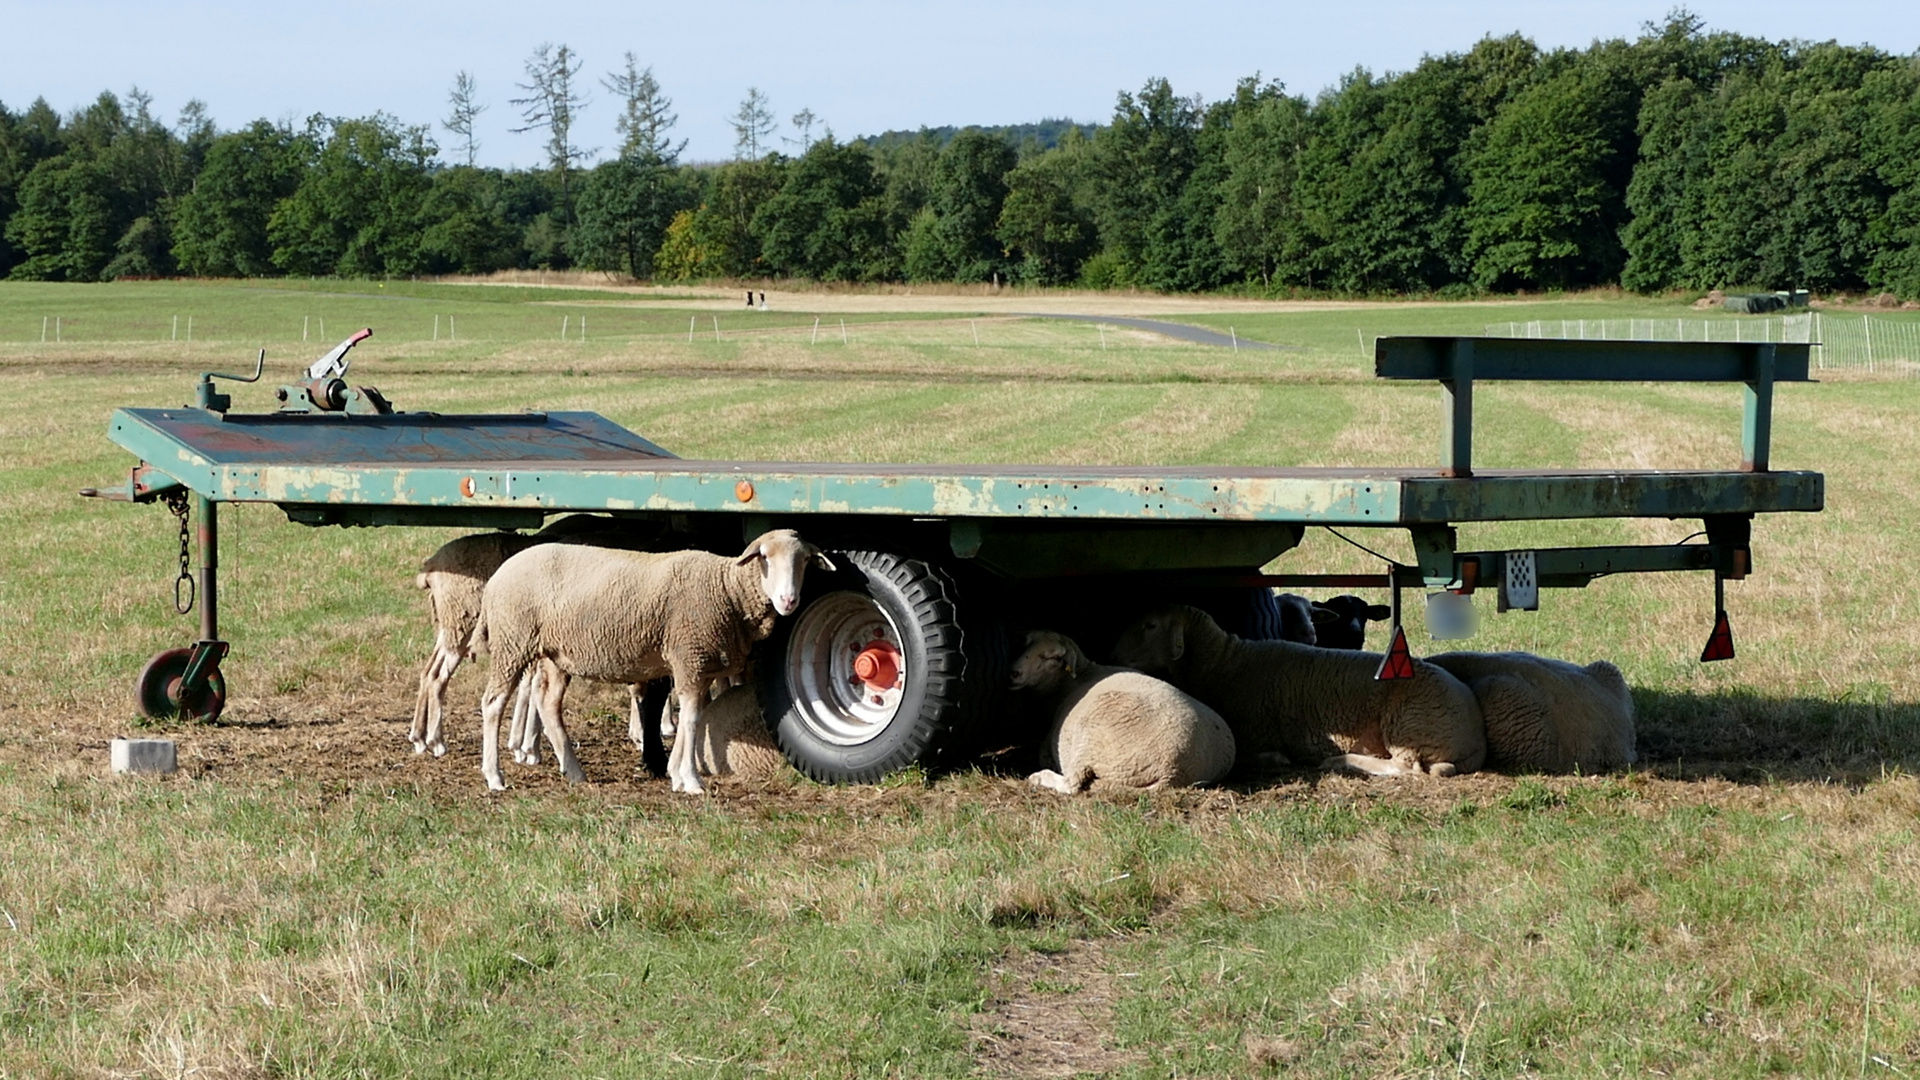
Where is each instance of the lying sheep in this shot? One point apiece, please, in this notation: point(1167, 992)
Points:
point(1548, 715)
point(737, 741)
point(1310, 703)
point(1341, 622)
point(631, 617)
point(1118, 728)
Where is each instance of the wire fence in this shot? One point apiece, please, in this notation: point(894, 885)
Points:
point(1850, 342)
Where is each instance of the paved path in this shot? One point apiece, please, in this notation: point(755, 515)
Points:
point(1178, 331)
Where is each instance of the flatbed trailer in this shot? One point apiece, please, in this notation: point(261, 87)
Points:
point(900, 656)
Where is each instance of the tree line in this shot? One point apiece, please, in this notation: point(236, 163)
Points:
point(1683, 159)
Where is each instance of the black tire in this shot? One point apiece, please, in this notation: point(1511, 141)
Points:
point(159, 694)
point(835, 728)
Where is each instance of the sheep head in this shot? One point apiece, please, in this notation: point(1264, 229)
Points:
point(1049, 660)
point(784, 559)
point(1156, 641)
point(1341, 621)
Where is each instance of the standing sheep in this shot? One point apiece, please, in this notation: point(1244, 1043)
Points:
point(1118, 728)
point(1548, 715)
point(1312, 704)
point(627, 616)
point(454, 578)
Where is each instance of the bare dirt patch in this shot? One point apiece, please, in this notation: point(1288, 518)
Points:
point(1051, 1014)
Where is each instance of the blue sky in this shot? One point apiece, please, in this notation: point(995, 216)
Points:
point(864, 66)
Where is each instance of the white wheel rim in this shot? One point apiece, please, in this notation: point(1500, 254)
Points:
point(833, 703)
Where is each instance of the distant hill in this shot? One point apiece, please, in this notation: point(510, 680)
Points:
point(1044, 135)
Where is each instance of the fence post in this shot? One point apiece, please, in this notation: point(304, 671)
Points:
point(1866, 327)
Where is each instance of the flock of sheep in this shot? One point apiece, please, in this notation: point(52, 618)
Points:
point(1185, 702)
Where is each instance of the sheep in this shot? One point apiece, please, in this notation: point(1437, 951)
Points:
point(1297, 618)
point(1115, 728)
point(737, 741)
point(1341, 622)
point(1312, 704)
point(454, 577)
point(628, 616)
point(1548, 715)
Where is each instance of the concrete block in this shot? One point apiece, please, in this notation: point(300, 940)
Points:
point(144, 756)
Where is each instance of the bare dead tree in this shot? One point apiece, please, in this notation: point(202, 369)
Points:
point(550, 105)
point(466, 109)
point(647, 116)
point(753, 124)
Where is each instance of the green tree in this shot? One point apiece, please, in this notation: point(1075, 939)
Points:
point(1257, 226)
point(469, 223)
point(1143, 160)
point(1045, 224)
point(954, 238)
point(625, 208)
point(828, 221)
point(357, 209)
point(1547, 187)
point(220, 226)
point(65, 226)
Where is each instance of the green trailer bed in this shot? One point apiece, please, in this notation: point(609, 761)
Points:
point(948, 561)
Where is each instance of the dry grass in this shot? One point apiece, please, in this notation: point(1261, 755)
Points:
point(310, 900)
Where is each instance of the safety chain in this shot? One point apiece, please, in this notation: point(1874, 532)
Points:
point(182, 585)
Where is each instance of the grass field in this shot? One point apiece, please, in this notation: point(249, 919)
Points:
point(308, 899)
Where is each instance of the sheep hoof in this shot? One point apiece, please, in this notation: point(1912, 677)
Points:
point(1051, 781)
point(1443, 768)
point(419, 748)
point(494, 783)
point(439, 749)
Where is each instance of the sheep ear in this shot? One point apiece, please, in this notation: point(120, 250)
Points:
point(820, 559)
point(1379, 612)
point(1177, 633)
point(757, 551)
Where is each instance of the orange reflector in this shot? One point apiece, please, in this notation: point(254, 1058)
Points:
point(743, 491)
point(1398, 663)
point(466, 487)
point(1720, 642)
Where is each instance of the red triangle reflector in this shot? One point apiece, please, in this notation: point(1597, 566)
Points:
point(1398, 663)
point(1720, 642)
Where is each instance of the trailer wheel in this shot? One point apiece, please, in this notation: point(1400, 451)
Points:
point(868, 675)
point(157, 692)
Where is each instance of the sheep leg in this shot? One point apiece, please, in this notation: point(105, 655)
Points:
point(417, 731)
point(692, 729)
point(450, 657)
point(649, 705)
point(433, 692)
point(553, 697)
point(492, 704)
point(523, 737)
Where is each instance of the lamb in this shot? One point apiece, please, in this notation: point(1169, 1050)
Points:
point(1312, 704)
point(1548, 715)
point(1341, 622)
point(628, 616)
point(1115, 728)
